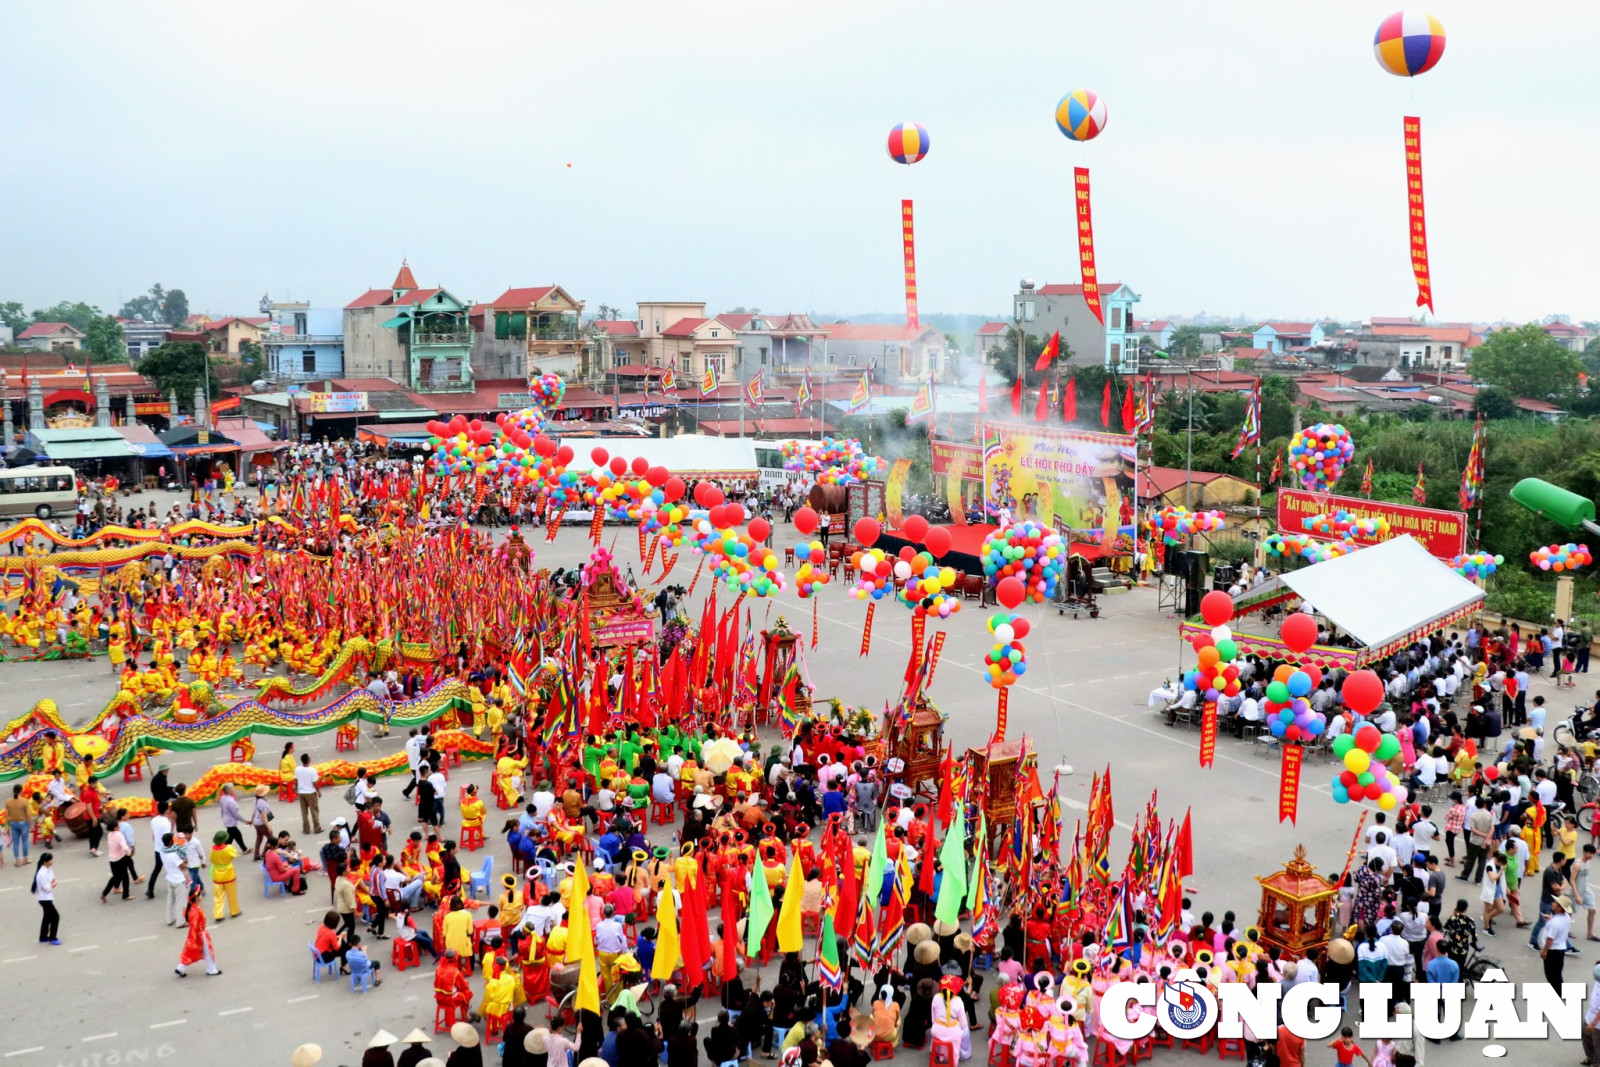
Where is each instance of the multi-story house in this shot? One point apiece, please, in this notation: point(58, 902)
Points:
point(302, 343)
point(51, 337)
point(678, 334)
point(420, 338)
point(896, 354)
point(775, 344)
point(143, 337)
point(1061, 309)
point(531, 327)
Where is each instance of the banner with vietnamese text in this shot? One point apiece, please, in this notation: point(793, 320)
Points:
point(1442, 533)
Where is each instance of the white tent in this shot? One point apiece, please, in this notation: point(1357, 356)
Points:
point(687, 455)
point(1381, 594)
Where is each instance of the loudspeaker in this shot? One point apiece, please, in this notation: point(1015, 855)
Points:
point(1225, 576)
point(1192, 592)
point(1197, 565)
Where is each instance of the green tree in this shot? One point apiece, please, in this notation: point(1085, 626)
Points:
point(1493, 402)
point(179, 366)
point(12, 315)
point(174, 306)
point(104, 342)
point(1528, 362)
point(150, 306)
point(252, 360)
point(1591, 357)
point(1186, 342)
point(73, 313)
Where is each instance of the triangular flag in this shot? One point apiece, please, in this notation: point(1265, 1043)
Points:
point(760, 915)
point(953, 886)
point(1016, 397)
point(667, 952)
point(1129, 411)
point(872, 888)
point(1052, 349)
point(1069, 401)
point(977, 860)
point(1105, 406)
point(790, 937)
point(1185, 849)
point(1041, 409)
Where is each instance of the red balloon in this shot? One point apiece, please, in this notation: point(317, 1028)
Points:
point(1375, 790)
point(1299, 631)
point(1010, 592)
point(938, 541)
point(1200, 641)
point(656, 476)
point(599, 455)
point(867, 531)
point(1347, 778)
point(1020, 626)
point(639, 465)
point(735, 512)
point(1368, 738)
point(564, 455)
point(1362, 692)
point(1216, 607)
point(619, 466)
point(1313, 672)
point(673, 489)
point(759, 529)
point(719, 516)
point(1492, 772)
point(916, 527)
point(806, 521)
point(905, 553)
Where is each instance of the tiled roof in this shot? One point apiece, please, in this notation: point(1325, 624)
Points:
point(372, 298)
point(1291, 328)
point(416, 296)
point(518, 299)
point(1075, 290)
point(739, 320)
point(989, 329)
point(405, 279)
point(617, 327)
point(44, 329)
point(684, 328)
point(872, 331)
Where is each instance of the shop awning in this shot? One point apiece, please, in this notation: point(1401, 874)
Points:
point(143, 441)
point(202, 450)
point(101, 449)
point(408, 415)
point(402, 319)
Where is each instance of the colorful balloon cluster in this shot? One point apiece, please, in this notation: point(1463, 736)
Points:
point(813, 572)
point(1567, 557)
point(874, 573)
point(1175, 524)
point(1476, 564)
point(462, 446)
point(838, 461)
point(1214, 674)
point(1034, 554)
point(927, 585)
point(1289, 715)
point(1318, 454)
point(1008, 658)
point(547, 390)
point(1364, 776)
point(1343, 524)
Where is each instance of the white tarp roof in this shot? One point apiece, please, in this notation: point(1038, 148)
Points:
point(1382, 592)
point(685, 454)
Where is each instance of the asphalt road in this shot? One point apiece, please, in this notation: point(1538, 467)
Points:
point(110, 996)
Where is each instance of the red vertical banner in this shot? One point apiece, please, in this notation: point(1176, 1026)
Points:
point(1091, 283)
point(597, 527)
point(919, 627)
point(1289, 783)
point(910, 243)
point(813, 622)
point(553, 525)
point(1208, 734)
point(1419, 215)
point(642, 538)
point(1000, 716)
point(934, 648)
point(866, 630)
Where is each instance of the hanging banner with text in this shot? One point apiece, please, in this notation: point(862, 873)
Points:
point(1208, 733)
point(1419, 218)
point(1289, 783)
point(1442, 533)
point(894, 491)
point(911, 263)
point(1091, 283)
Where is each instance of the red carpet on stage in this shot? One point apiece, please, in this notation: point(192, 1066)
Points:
point(968, 541)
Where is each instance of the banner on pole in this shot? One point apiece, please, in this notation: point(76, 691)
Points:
point(1208, 734)
point(911, 263)
point(1091, 284)
point(1419, 217)
point(1289, 783)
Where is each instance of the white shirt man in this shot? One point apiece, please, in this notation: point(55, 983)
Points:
point(305, 779)
point(543, 801)
point(1381, 850)
point(1405, 846)
point(1546, 790)
point(1424, 834)
point(1555, 930)
point(1250, 710)
point(1384, 720)
point(1396, 947)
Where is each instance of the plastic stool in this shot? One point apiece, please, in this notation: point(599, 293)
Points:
point(661, 814)
point(405, 954)
point(1230, 1046)
point(286, 793)
point(237, 753)
point(810, 924)
point(134, 771)
point(881, 1050)
point(942, 1054)
point(444, 1015)
point(1202, 1043)
point(472, 838)
point(1106, 1054)
point(342, 742)
point(495, 1025)
point(999, 1054)
point(364, 980)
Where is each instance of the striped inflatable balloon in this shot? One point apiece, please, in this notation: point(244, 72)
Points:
point(1081, 115)
point(1409, 43)
point(908, 143)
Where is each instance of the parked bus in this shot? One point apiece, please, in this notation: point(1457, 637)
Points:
point(38, 491)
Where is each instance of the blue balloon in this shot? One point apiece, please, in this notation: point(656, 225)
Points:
point(1020, 668)
point(1299, 683)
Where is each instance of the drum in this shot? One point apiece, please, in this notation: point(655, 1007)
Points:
point(185, 715)
point(77, 817)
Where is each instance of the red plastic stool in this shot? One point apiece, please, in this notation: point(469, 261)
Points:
point(661, 814)
point(237, 753)
point(444, 1015)
point(999, 1054)
point(942, 1054)
point(881, 1050)
point(405, 954)
point(1159, 1038)
point(495, 1025)
point(810, 924)
point(472, 838)
point(452, 753)
point(1230, 1046)
point(1201, 1043)
point(343, 742)
point(286, 793)
point(1106, 1054)
point(134, 771)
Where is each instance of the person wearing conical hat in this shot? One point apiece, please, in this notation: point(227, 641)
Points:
point(469, 1050)
point(377, 1053)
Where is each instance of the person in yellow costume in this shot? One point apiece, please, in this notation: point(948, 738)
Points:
point(117, 651)
point(286, 764)
point(496, 717)
point(499, 988)
point(472, 810)
point(224, 879)
point(480, 712)
point(458, 931)
point(510, 903)
point(508, 774)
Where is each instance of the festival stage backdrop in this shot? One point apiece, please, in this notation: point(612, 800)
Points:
point(1075, 476)
point(1442, 533)
point(959, 464)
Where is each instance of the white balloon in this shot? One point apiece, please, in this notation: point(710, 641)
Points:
point(1004, 633)
point(902, 570)
point(1221, 633)
point(704, 526)
point(869, 565)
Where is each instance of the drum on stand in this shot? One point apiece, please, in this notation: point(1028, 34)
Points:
point(77, 817)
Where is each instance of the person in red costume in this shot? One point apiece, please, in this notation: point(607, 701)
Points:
point(197, 946)
point(450, 985)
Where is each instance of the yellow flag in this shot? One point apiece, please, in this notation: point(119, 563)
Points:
point(588, 983)
point(667, 951)
point(579, 937)
point(789, 933)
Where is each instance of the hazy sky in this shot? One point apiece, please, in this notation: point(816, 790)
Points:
point(734, 152)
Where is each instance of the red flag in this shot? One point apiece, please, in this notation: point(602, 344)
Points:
point(845, 914)
point(1052, 349)
point(925, 875)
point(599, 699)
point(1016, 397)
point(730, 922)
point(1069, 401)
point(983, 394)
point(1105, 406)
point(1129, 412)
point(946, 798)
point(1185, 849)
point(1041, 408)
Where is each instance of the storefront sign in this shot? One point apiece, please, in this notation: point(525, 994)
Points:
point(335, 402)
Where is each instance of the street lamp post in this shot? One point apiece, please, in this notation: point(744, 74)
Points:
point(1022, 311)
